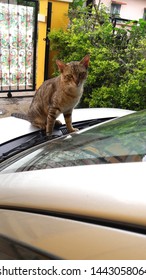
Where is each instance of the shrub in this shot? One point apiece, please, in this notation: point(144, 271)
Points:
point(117, 72)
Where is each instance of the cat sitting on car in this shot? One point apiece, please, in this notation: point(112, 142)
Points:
point(58, 95)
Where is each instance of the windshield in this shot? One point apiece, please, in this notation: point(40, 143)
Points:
point(121, 140)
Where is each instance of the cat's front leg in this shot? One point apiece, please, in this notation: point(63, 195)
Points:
point(51, 118)
point(68, 121)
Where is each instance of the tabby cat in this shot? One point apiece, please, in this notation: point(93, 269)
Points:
point(59, 95)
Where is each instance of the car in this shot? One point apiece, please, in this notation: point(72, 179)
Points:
point(78, 196)
point(18, 134)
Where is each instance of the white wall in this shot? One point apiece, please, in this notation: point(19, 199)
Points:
point(133, 10)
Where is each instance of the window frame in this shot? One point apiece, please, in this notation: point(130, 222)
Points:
point(117, 7)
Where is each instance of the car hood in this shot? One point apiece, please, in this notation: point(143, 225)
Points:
point(114, 192)
point(12, 127)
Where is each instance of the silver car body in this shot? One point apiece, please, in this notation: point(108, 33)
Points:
point(78, 212)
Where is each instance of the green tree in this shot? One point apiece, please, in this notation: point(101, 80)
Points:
point(117, 72)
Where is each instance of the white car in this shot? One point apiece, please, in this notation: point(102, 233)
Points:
point(79, 196)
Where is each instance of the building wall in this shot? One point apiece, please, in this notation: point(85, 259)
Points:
point(58, 20)
point(41, 43)
point(131, 9)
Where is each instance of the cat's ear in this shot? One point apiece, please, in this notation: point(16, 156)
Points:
point(61, 65)
point(85, 61)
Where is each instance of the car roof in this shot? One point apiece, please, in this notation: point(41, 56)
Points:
point(92, 113)
point(111, 192)
point(12, 127)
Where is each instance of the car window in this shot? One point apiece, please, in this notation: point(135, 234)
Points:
point(121, 140)
point(13, 250)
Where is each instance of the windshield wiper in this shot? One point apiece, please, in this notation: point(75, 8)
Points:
point(27, 142)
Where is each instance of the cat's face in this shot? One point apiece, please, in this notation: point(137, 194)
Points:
point(74, 73)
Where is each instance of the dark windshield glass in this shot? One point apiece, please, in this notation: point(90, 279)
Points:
point(121, 140)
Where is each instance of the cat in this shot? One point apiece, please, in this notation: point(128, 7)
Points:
point(59, 95)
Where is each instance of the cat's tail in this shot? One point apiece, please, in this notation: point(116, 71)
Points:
point(20, 116)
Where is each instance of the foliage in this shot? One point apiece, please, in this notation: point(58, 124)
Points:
point(76, 3)
point(26, 3)
point(117, 72)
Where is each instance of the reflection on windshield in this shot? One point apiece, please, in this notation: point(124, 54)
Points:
point(122, 140)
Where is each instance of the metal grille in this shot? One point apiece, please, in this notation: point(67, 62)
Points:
point(18, 35)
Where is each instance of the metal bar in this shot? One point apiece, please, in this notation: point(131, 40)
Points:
point(9, 50)
point(35, 43)
point(18, 40)
point(49, 13)
point(26, 14)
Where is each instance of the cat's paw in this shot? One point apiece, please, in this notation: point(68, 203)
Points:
point(74, 130)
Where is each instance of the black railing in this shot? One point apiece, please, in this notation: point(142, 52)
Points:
point(117, 20)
